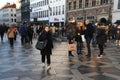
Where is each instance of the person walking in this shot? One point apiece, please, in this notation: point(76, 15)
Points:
point(88, 36)
point(71, 34)
point(11, 35)
point(101, 36)
point(78, 38)
point(47, 51)
point(23, 32)
point(30, 34)
point(2, 31)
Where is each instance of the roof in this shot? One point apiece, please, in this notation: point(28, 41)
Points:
point(8, 5)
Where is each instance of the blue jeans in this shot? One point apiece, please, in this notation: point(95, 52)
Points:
point(88, 41)
point(79, 47)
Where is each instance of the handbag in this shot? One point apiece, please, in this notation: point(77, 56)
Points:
point(40, 45)
point(72, 47)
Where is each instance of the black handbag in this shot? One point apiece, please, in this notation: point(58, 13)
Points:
point(40, 45)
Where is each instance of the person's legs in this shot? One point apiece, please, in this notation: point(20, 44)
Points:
point(101, 47)
point(43, 58)
point(70, 52)
point(48, 60)
point(88, 40)
point(11, 42)
point(2, 34)
point(79, 48)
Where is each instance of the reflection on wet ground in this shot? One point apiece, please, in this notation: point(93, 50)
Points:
point(24, 63)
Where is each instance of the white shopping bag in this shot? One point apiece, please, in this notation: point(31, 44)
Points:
point(83, 38)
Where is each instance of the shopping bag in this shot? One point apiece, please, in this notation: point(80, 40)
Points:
point(72, 47)
point(83, 38)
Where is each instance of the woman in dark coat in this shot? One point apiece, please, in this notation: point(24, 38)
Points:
point(101, 36)
point(47, 51)
point(79, 32)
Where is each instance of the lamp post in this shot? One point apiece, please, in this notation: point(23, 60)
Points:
point(84, 12)
point(109, 10)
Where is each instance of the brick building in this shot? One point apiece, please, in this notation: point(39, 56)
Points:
point(88, 9)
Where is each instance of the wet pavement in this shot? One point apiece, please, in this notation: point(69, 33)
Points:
point(24, 63)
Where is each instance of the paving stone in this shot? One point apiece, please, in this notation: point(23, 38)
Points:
point(24, 63)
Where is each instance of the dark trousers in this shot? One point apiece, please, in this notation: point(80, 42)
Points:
point(23, 39)
point(101, 47)
point(79, 48)
point(11, 41)
point(2, 35)
point(88, 41)
point(48, 59)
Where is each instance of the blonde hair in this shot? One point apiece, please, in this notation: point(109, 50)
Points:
point(80, 25)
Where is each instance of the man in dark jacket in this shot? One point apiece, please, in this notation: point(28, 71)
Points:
point(88, 36)
point(2, 31)
point(23, 32)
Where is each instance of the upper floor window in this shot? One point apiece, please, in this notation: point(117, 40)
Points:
point(104, 2)
point(80, 3)
point(69, 5)
point(118, 4)
point(86, 3)
point(63, 8)
point(74, 3)
point(93, 3)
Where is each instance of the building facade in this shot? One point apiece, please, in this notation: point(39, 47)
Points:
point(57, 10)
point(8, 14)
point(39, 12)
point(116, 11)
point(18, 16)
point(25, 10)
point(88, 9)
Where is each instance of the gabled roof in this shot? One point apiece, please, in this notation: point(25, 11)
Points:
point(8, 5)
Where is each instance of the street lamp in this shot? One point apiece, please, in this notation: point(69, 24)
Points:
point(109, 10)
point(84, 12)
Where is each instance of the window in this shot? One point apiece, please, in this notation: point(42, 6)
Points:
point(104, 2)
point(90, 18)
point(63, 8)
point(56, 10)
point(93, 3)
point(11, 20)
point(80, 3)
point(118, 4)
point(59, 10)
point(69, 5)
point(14, 20)
point(53, 11)
point(86, 3)
point(11, 14)
point(47, 2)
point(74, 3)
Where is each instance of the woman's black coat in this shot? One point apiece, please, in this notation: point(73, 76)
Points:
point(46, 36)
point(101, 36)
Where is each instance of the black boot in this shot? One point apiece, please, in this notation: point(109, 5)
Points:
point(70, 54)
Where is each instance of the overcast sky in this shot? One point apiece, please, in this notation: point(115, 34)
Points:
point(3, 2)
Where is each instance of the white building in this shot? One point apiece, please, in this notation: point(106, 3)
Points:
point(57, 10)
point(39, 11)
point(18, 16)
point(116, 11)
point(8, 14)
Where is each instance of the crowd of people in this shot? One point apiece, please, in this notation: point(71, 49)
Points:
point(80, 33)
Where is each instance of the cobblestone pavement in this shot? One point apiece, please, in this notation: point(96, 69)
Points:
point(24, 63)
